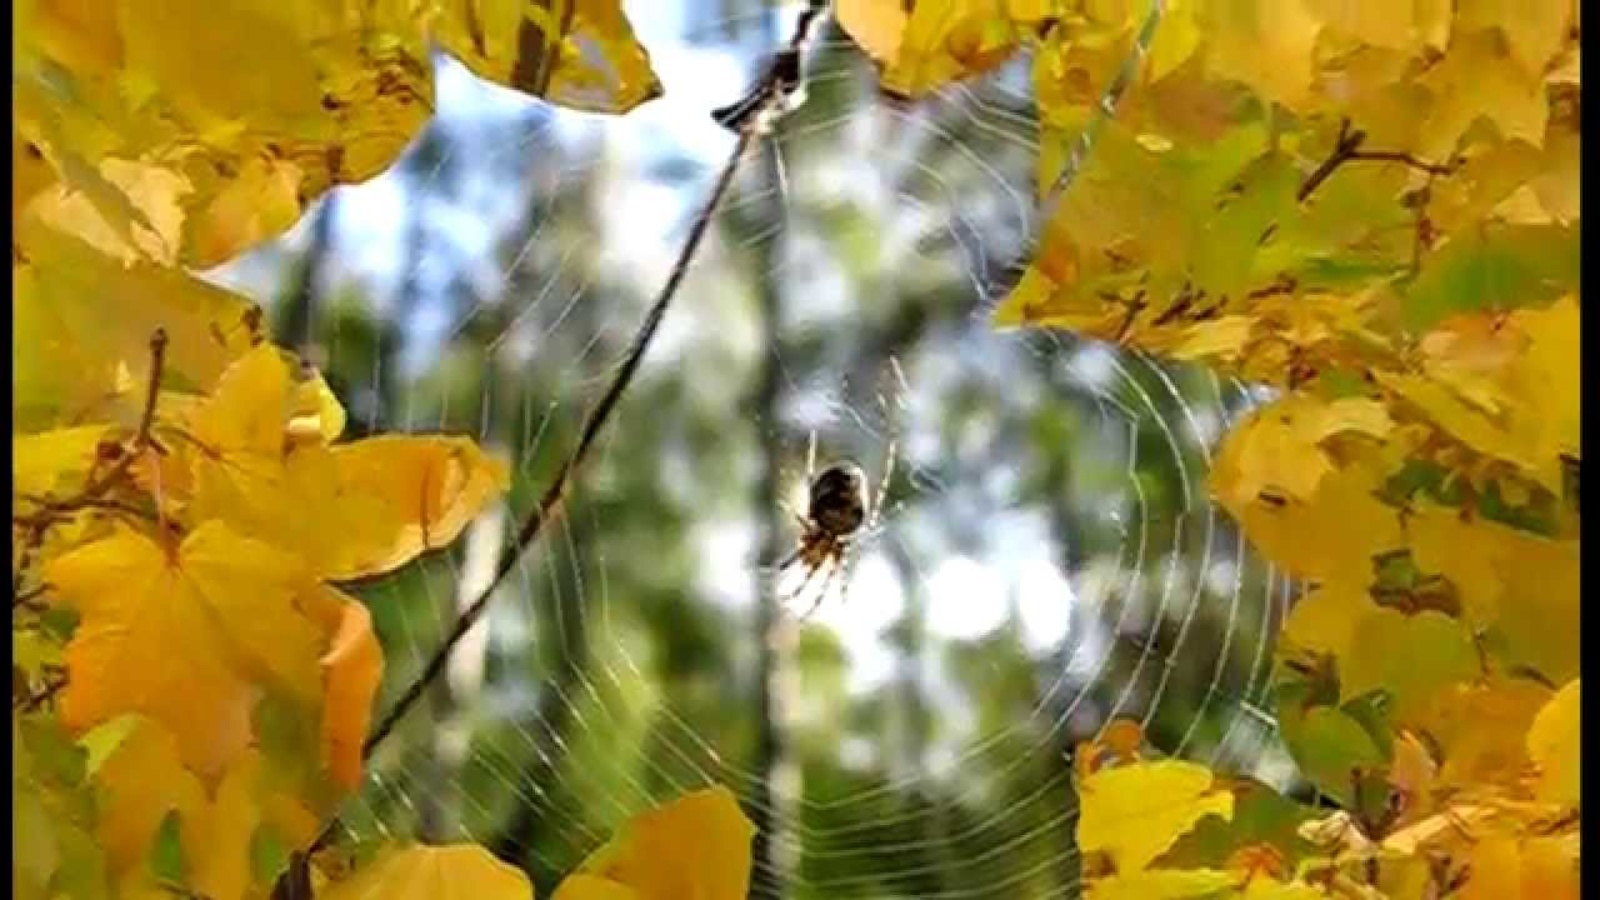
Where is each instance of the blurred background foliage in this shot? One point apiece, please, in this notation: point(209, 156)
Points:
point(1048, 557)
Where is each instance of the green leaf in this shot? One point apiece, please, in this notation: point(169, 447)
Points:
point(104, 739)
point(1330, 747)
point(1500, 269)
point(1410, 657)
point(166, 851)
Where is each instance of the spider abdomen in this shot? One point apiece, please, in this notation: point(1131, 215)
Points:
point(839, 500)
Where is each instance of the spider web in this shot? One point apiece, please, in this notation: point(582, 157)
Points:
point(1048, 558)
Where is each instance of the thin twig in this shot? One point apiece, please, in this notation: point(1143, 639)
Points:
point(551, 503)
point(1343, 148)
point(1347, 148)
point(93, 492)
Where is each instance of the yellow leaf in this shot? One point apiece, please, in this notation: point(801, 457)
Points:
point(1479, 78)
point(1549, 384)
point(875, 25)
point(1411, 657)
point(583, 57)
point(214, 145)
point(142, 781)
point(1553, 746)
point(1278, 449)
point(416, 494)
point(1136, 812)
point(698, 846)
point(580, 886)
point(72, 362)
point(1270, 889)
point(1503, 866)
point(1333, 536)
point(41, 462)
point(1264, 44)
point(1413, 772)
point(947, 40)
point(1225, 336)
point(1324, 620)
point(1535, 32)
point(228, 601)
point(1480, 730)
point(1160, 884)
point(1176, 39)
point(454, 872)
point(1381, 23)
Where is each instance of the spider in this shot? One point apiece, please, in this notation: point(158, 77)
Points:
point(837, 514)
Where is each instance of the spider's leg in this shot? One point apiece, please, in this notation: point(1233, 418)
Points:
point(811, 458)
point(826, 566)
point(790, 559)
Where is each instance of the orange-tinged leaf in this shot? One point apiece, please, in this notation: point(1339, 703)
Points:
point(415, 493)
point(453, 872)
point(1553, 745)
point(1136, 812)
point(697, 846)
point(352, 669)
point(227, 600)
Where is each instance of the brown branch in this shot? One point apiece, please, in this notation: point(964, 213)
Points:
point(1344, 147)
point(551, 503)
point(92, 494)
point(1347, 148)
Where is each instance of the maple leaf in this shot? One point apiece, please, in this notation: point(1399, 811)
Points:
point(453, 872)
point(350, 510)
point(226, 599)
point(697, 846)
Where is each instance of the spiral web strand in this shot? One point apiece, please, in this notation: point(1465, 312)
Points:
point(1028, 582)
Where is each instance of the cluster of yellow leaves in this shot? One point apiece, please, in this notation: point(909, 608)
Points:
point(1134, 813)
point(1374, 207)
point(1143, 829)
point(696, 847)
point(154, 145)
point(191, 690)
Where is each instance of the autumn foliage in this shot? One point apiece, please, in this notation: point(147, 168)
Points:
point(1371, 206)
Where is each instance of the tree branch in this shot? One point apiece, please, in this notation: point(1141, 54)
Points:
point(550, 504)
point(1347, 148)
